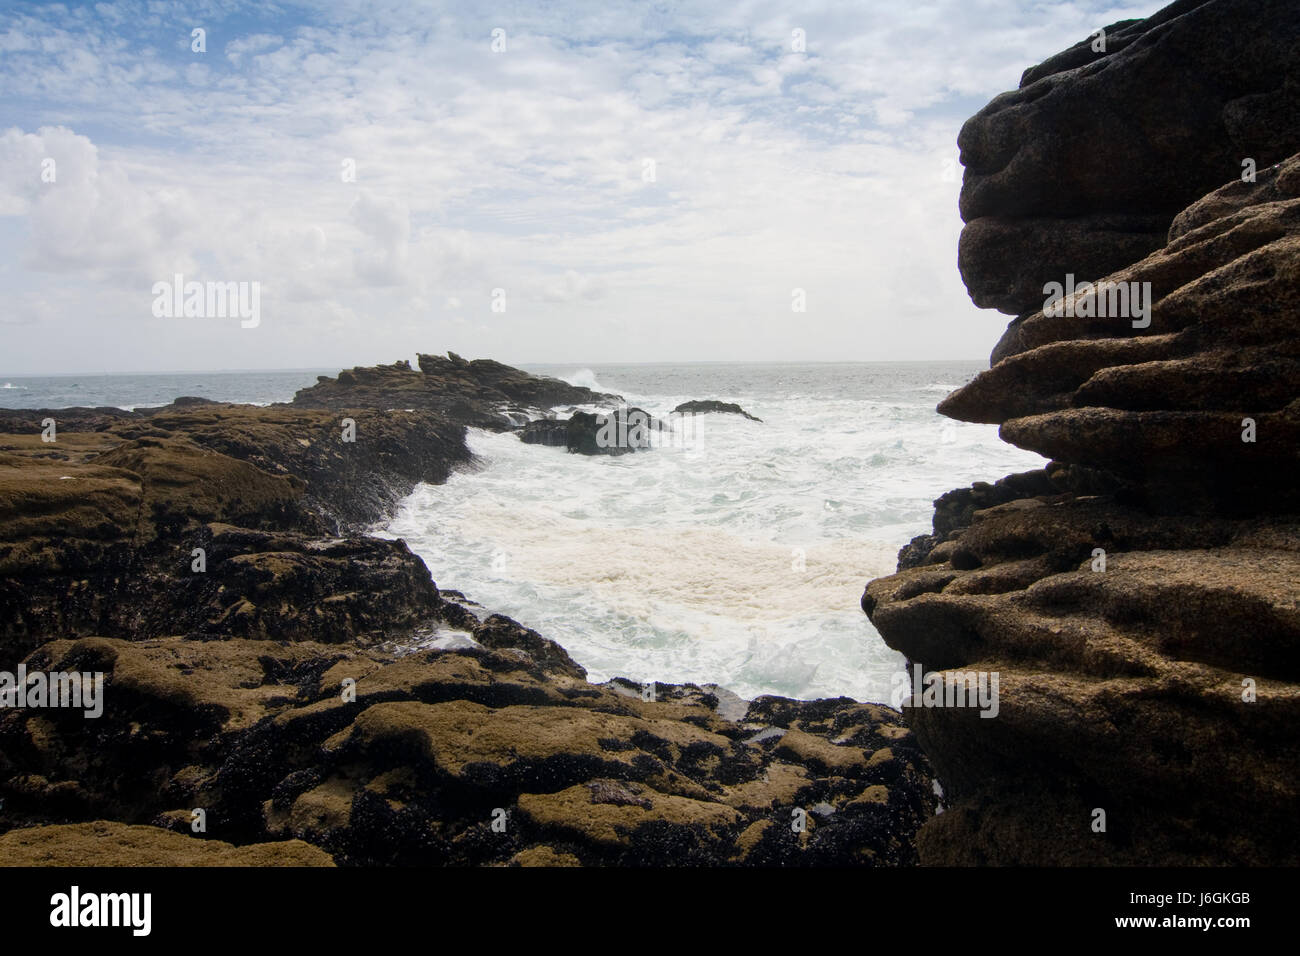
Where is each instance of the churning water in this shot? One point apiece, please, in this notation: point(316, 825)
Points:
point(736, 555)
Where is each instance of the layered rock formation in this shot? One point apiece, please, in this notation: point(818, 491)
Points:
point(1083, 168)
point(320, 699)
point(1139, 597)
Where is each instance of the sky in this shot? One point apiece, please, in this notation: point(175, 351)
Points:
point(565, 182)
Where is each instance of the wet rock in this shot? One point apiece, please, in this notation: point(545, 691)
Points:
point(481, 393)
point(619, 432)
point(702, 407)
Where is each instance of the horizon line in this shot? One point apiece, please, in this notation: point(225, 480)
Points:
point(577, 364)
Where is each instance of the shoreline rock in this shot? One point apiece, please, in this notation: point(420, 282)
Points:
point(275, 688)
point(1140, 597)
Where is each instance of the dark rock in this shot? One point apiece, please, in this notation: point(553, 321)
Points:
point(955, 509)
point(187, 401)
point(1138, 598)
point(288, 688)
point(18, 421)
point(701, 407)
point(479, 393)
point(1083, 168)
point(500, 632)
point(552, 432)
point(619, 432)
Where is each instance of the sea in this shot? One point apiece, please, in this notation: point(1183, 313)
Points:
point(733, 553)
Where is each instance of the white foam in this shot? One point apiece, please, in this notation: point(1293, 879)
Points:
point(583, 378)
point(738, 559)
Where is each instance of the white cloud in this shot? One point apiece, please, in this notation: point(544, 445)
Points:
point(387, 222)
point(573, 286)
point(84, 216)
point(520, 170)
point(256, 43)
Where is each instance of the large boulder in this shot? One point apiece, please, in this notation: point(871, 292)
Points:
point(619, 432)
point(1082, 169)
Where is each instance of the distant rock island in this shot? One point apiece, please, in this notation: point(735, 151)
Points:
point(481, 392)
point(701, 407)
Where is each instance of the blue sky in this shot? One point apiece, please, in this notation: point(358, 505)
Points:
point(829, 169)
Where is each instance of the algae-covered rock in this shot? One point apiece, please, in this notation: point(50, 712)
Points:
point(106, 843)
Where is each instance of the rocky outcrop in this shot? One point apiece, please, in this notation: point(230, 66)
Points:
point(500, 754)
point(619, 432)
point(703, 407)
point(954, 510)
point(1140, 597)
point(348, 477)
point(1164, 407)
point(480, 393)
point(215, 519)
point(311, 690)
point(1083, 168)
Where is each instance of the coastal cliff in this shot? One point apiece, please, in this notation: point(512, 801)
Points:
point(1139, 598)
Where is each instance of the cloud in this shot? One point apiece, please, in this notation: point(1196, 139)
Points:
point(573, 286)
point(387, 222)
point(85, 216)
point(774, 168)
point(237, 48)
